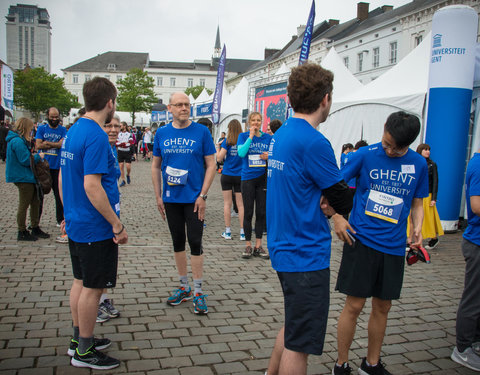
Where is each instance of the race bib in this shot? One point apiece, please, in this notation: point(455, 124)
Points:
point(176, 176)
point(255, 161)
point(51, 151)
point(384, 206)
point(117, 209)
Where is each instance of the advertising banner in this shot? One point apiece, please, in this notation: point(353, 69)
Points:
point(7, 87)
point(204, 109)
point(307, 36)
point(271, 102)
point(217, 97)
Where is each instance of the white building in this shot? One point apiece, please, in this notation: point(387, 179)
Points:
point(28, 37)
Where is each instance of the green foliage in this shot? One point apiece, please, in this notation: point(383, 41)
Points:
point(36, 90)
point(197, 90)
point(135, 93)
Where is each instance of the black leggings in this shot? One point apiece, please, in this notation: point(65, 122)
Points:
point(58, 202)
point(254, 193)
point(179, 214)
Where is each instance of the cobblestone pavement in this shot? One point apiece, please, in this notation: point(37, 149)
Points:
point(244, 299)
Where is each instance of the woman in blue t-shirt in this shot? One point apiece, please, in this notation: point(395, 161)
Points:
point(231, 177)
point(253, 148)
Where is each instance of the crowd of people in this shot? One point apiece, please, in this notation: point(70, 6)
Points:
point(377, 192)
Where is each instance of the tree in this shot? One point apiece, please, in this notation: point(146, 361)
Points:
point(36, 90)
point(196, 90)
point(135, 93)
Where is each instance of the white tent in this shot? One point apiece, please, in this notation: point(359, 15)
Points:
point(344, 82)
point(203, 97)
point(362, 114)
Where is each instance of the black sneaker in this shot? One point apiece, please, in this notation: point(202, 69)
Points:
point(432, 244)
point(94, 359)
point(260, 252)
point(99, 344)
point(26, 236)
point(379, 369)
point(344, 369)
point(40, 233)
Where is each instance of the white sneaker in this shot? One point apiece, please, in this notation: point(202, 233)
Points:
point(467, 358)
point(62, 239)
point(227, 235)
point(242, 236)
point(234, 214)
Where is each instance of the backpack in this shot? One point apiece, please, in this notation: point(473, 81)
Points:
point(41, 171)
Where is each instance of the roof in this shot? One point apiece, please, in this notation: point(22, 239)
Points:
point(124, 61)
point(235, 65)
point(179, 65)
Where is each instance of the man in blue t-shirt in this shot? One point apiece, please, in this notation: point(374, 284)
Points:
point(391, 181)
point(91, 200)
point(49, 139)
point(467, 350)
point(180, 151)
point(302, 177)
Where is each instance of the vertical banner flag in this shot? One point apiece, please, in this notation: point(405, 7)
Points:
point(450, 84)
point(7, 87)
point(307, 36)
point(217, 97)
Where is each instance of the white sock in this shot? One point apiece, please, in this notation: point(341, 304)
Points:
point(103, 297)
point(228, 230)
point(241, 231)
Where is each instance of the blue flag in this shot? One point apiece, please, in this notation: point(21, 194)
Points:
point(307, 36)
point(217, 97)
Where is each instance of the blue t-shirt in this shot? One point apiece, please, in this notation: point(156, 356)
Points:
point(182, 152)
point(46, 133)
point(301, 164)
point(117, 165)
point(386, 187)
point(342, 160)
point(86, 151)
point(343, 163)
point(252, 165)
point(232, 166)
point(472, 183)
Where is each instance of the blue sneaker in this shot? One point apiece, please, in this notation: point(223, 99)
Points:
point(199, 304)
point(242, 236)
point(179, 296)
point(227, 235)
point(122, 184)
point(128, 179)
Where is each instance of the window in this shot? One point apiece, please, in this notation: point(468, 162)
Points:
point(159, 81)
point(107, 76)
point(393, 53)
point(345, 61)
point(376, 57)
point(26, 44)
point(360, 62)
point(119, 78)
point(172, 82)
point(202, 82)
point(88, 77)
point(20, 46)
point(190, 82)
point(75, 78)
point(418, 40)
point(32, 41)
point(112, 67)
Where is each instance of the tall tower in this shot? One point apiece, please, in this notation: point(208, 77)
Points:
point(28, 37)
point(217, 51)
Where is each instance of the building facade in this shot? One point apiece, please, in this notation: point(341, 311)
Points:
point(28, 37)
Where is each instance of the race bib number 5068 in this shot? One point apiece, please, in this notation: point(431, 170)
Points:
point(384, 206)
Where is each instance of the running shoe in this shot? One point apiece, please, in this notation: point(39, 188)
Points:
point(62, 239)
point(59, 225)
point(94, 359)
point(344, 369)
point(123, 183)
point(379, 369)
point(25, 235)
point(242, 236)
point(199, 304)
point(432, 244)
point(227, 235)
point(128, 179)
point(107, 307)
point(180, 295)
point(102, 316)
point(99, 344)
point(39, 233)
point(467, 358)
point(476, 348)
point(247, 254)
point(260, 252)
point(234, 214)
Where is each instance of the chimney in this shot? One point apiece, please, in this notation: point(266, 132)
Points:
point(301, 30)
point(333, 22)
point(387, 8)
point(269, 52)
point(362, 11)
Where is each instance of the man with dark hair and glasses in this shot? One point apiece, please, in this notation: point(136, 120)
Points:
point(392, 180)
point(180, 151)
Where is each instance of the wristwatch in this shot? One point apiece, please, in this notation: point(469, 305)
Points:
point(204, 196)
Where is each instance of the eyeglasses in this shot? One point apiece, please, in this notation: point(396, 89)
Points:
point(394, 150)
point(109, 126)
point(180, 105)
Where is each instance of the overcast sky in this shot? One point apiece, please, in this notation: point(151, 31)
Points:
point(177, 30)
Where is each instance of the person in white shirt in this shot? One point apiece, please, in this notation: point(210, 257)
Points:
point(124, 144)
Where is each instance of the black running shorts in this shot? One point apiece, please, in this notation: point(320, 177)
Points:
point(306, 298)
point(95, 263)
point(124, 156)
point(365, 272)
point(231, 183)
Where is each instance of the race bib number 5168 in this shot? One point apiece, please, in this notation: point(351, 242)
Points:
point(384, 206)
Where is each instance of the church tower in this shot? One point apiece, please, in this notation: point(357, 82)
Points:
point(217, 51)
